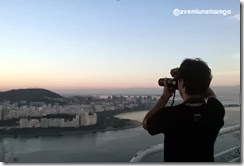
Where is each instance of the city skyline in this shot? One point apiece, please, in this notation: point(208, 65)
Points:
point(62, 45)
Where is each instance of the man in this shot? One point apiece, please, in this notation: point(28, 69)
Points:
point(191, 128)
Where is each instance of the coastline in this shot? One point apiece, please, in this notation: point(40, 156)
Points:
point(67, 131)
point(134, 124)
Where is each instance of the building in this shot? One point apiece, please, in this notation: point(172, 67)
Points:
point(17, 113)
point(23, 123)
point(24, 112)
point(34, 123)
point(83, 120)
point(23, 101)
point(120, 106)
point(44, 123)
point(12, 114)
point(87, 118)
point(68, 123)
point(62, 123)
point(76, 121)
point(54, 122)
point(98, 108)
point(1, 114)
point(47, 110)
point(37, 104)
point(92, 118)
point(110, 108)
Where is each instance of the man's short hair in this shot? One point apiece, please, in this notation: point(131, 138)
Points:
point(196, 76)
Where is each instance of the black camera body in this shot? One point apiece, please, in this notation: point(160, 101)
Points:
point(172, 82)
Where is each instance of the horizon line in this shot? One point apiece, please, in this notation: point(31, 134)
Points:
point(105, 88)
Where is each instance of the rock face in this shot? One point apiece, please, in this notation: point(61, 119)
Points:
point(29, 95)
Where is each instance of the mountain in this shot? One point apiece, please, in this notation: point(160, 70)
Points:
point(29, 95)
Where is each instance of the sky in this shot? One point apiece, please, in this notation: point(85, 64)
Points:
point(87, 44)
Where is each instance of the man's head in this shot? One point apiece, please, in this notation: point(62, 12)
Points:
point(194, 76)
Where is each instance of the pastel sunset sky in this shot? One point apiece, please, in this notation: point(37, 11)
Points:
point(82, 44)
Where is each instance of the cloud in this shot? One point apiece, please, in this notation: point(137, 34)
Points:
point(235, 17)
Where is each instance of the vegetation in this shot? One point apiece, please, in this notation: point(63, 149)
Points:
point(29, 95)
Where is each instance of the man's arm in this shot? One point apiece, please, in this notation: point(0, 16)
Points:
point(159, 105)
point(167, 93)
point(210, 93)
point(217, 109)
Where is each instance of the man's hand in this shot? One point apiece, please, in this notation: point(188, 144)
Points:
point(174, 72)
point(168, 91)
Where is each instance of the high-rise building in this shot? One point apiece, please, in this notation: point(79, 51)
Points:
point(33, 123)
point(54, 122)
point(88, 118)
point(1, 114)
point(12, 114)
point(92, 118)
point(23, 123)
point(76, 121)
point(44, 122)
point(83, 119)
point(62, 123)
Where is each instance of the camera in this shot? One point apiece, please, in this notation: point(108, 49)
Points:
point(172, 82)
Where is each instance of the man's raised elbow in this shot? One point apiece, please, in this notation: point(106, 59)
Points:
point(144, 124)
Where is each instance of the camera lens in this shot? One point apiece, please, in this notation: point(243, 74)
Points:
point(161, 82)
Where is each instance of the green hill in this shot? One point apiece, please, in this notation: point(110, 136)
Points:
point(29, 95)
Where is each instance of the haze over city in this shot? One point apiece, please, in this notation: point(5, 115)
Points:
point(65, 46)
